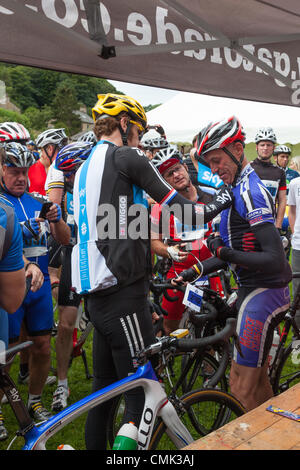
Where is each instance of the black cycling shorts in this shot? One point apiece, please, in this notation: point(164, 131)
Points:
point(66, 295)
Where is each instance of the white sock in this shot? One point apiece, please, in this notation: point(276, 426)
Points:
point(63, 382)
point(33, 399)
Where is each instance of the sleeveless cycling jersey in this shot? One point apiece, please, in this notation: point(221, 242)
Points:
point(271, 175)
point(253, 205)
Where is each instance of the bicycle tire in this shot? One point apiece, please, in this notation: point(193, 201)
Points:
point(197, 414)
point(287, 374)
point(115, 419)
point(201, 371)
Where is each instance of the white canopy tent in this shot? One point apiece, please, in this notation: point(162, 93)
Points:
point(184, 115)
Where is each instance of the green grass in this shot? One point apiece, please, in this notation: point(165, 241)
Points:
point(80, 386)
point(73, 433)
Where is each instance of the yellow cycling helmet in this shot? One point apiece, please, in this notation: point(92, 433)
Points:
point(112, 105)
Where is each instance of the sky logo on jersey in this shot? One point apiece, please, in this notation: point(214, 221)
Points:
point(205, 176)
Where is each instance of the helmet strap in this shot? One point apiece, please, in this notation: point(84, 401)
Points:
point(237, 162)
point(124, 134)
point(52, 153)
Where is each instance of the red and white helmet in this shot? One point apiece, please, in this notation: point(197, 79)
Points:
point(13, 132)
point(219, 135)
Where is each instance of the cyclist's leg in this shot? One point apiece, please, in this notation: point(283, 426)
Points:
point(39, 320)
point(122, 327)
point(260, 311)
point(68, 303)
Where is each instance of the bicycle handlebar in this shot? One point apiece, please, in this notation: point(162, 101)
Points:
point(199, 319)
point(187, 344)
point(13, 350)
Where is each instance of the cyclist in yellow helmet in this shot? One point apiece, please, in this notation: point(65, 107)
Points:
point(111, 261)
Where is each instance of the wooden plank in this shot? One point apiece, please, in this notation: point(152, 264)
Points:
point(258, 429)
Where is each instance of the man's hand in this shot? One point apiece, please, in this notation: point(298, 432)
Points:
point(54, 214)
point(188, 275)
point(176, 254)
point(214, 244)
point(37, 276)
point(31, 228)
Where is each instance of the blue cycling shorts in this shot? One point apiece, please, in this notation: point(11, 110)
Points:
point(37, 312)
point(260, 311)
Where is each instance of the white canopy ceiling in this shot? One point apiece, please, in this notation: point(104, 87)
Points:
point(184, 115)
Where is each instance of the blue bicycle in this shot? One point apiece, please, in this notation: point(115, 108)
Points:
point(180, 421)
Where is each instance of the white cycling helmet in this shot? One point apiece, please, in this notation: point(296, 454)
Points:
point(52, 136)
point(155, 143)
point(166, 157)
point(88, 137)
point(265, 133)
point(17, 155)
point(13, 132)
point(282, 149)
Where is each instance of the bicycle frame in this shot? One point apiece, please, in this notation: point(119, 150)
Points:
point(156, 404)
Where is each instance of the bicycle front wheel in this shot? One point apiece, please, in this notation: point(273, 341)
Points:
point(203, 411)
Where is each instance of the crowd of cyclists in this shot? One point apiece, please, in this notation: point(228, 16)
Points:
point(94, 214)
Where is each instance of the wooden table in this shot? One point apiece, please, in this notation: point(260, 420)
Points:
point(258, 429)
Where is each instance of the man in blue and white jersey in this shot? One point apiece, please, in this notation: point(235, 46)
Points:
point(111, 261)
point(250, 243)
point(36, 309)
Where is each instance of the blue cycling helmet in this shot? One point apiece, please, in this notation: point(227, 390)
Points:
point(70, 157)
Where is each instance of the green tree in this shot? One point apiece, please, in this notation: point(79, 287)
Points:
point(38, 118)
point(63, 107)
point(12, 116)
point(20, 89)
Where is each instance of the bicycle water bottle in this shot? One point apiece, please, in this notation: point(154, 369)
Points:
point(275, 343)
point(127, 437)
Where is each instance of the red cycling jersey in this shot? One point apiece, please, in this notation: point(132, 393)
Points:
point(199, 252)
point(37, 177)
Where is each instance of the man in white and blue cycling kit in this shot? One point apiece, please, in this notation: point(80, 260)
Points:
point(67, 162)
point(251, 244)
point(111, 261)
point(36, 309)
